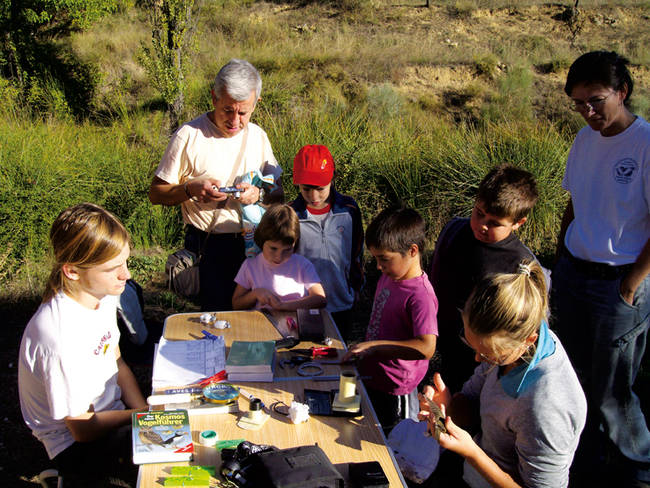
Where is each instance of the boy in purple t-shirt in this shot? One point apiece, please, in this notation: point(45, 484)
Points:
point(401, 335)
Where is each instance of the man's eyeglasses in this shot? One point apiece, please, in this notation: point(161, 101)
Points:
point(591, 104)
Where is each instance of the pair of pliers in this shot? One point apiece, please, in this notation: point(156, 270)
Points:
point(318, 352)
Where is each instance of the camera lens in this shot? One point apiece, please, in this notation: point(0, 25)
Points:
point(229, 469)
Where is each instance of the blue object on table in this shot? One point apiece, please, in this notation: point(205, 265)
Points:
point(207, 335)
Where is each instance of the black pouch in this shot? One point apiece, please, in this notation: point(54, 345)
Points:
point(310, 325)
point(320, 403)
point(368, 474)
point(296, 467)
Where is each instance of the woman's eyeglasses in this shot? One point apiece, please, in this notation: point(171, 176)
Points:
point(502, 361)
point(591, 104)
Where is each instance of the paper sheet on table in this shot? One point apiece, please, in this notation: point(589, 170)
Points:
point(180, 363)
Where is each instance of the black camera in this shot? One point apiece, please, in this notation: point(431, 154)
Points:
point(234, 466)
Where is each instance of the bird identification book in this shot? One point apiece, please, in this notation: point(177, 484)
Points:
point(161, 436)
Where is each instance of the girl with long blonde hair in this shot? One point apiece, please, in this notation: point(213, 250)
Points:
point(76, 392)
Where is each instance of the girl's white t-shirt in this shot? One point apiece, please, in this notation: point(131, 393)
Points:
point(67, 362)
point(289, 280)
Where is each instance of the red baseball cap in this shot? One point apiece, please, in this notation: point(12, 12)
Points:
point(313, 165)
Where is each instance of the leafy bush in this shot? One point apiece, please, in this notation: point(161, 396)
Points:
point(9, 98)
point(462, 8)
point(555, 65)
point(384, 103)
point(514, 99)
point(486, 65)
point(47, 98)
point(50, 165)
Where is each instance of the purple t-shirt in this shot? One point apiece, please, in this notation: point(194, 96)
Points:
point(402, 310)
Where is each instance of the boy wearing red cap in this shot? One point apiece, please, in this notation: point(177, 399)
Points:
point(331, 233)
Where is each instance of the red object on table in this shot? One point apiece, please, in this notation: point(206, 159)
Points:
point(291, 323)
point(316, 352)
point(215, 378)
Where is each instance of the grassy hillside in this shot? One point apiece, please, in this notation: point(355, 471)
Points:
point(415, 103)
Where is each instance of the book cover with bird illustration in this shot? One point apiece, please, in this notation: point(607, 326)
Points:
point(161, 436)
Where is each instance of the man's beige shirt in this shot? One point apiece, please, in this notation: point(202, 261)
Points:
point(197, 150)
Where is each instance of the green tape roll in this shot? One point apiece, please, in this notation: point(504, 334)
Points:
point(209, 438)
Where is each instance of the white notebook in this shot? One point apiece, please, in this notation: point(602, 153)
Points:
point(179, 363)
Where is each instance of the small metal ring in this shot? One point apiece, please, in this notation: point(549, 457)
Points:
point(302, 369)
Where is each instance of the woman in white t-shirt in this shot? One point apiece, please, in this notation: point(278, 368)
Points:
point(601, 282)
point(73, 383)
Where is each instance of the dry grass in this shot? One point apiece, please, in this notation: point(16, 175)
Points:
point(111, 45)
point(316, 49)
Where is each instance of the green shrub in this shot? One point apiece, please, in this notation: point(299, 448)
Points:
point(555, 65)
point(384, 103)
point(9, 98)
point(48, 166)
point(462, 8)
point(47, 97)
point(486, 65)
point(145, 267)
point(514, 98)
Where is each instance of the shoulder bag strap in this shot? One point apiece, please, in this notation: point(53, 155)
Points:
point(235, 171)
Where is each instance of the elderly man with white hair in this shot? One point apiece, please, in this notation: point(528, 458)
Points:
point(211, 152)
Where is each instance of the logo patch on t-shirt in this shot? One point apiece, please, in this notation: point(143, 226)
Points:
point(625, 170)
point(103, 345)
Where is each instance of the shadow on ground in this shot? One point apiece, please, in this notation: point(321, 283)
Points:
point(23, 456)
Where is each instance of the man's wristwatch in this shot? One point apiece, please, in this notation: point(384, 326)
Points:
point(261, 197)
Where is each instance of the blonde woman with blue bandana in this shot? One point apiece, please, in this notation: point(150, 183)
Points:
point(524, 399)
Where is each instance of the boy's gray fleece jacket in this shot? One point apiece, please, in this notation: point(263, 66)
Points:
point(335, 249)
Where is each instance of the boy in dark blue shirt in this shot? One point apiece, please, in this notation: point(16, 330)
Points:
point(469, 250)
